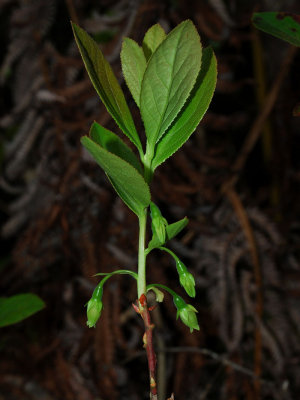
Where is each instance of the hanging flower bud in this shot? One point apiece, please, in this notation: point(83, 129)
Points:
point(186, 312)
point(158, 223)
point(94, 306)
point(186, 279)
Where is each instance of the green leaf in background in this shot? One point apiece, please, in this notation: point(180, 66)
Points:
point(153, 38)
point(106, 84)
point(127, 181)
point(191, 115)
point(112, 143)
point(283, 25)
point(169, 78)
point(16, 308)
point(133, 66)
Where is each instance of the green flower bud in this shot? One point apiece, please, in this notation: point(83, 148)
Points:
point(158, 223)
point(186, 279)
point(94, 306)
point(186, 312)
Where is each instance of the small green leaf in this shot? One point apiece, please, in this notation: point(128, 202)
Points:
point(112, 143)
point(283, 25)
point(16, 308)
point(127, 181)
point(153, 38)
point(173, 229)
point(106, 84)
point(133, 67)
point(192, 113)
point(169, 78)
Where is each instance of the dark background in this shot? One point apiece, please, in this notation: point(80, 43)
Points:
point(61, 222)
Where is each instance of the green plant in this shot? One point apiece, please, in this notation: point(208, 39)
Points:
point(16, 308)
point(283, 25)
point(172, 80)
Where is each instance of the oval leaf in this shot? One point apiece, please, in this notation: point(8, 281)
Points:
point(190, 116)
point(133, 66)
point(16, 308)
point(153, 38)
point(283, 25)
point(106, 84)
point(128, 183)
point(169, 78)
point(112, 143)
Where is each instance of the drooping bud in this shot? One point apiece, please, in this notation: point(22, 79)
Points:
point(186, 312)
point(186, 279)
point(158, 223)
point(94, 306)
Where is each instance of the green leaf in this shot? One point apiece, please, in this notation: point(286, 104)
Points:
point(283, 25)
point(176, 227)
point(16, 308)
point(171, 231)
point(133, 67)
point(112, 143)
point(153, 38)
point(127, 181)
point(169, 78)
point(192, 113)
point(106, 84)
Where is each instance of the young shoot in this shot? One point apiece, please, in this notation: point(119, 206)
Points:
point(172, 80)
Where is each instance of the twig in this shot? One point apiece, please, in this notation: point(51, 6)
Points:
point(248, 231)
point(258, 124)
point(218, 358)
point(72, 11)
point(206, 352)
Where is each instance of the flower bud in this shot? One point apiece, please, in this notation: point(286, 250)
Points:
point(186, 312)
point(94, 307)
point(158, 223)
point(186, 279)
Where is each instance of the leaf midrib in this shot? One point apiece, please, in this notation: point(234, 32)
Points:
point(168, 90)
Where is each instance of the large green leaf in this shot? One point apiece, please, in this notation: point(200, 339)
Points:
point(283, 25)
point(153, 38)
point(133, 66)
point(112, 143)
point(16, 308)
point(127, 181)
point(169, 78)
point(106, 84)
point(192, 113)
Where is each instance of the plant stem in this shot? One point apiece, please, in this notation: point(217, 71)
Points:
point(143, 307)
point(148, 344)
point(141, 284)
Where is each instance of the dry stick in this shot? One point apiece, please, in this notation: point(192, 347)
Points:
point(228, 190)
point(248, 231)
point(257, 126)
point(72, 11)
point(218, 357)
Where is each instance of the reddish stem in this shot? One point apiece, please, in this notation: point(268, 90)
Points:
point(148, 345)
